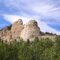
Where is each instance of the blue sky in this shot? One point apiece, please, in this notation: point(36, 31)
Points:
point(46, 12)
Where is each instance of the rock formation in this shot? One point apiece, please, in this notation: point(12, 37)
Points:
point(5, 34)
point(16, 28)
point(30, 31)
point(26, 31)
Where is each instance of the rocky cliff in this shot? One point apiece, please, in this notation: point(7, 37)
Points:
point(30, 31)
point(26, 31)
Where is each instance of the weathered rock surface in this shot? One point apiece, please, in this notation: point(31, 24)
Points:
point(30, 31)
point(5, 34)
point(16, 28)
point(26, 31)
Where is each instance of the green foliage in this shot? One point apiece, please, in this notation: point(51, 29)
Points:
point(43, 49)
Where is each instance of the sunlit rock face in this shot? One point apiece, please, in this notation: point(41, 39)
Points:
point(16, 28)
point(30, 31)
point(5, 34)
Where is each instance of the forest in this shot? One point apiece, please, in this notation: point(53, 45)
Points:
point(43, 49)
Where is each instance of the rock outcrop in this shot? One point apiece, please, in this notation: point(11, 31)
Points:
point(16, 28)
point(30, 31)
point(26, 31)
point(5, 34)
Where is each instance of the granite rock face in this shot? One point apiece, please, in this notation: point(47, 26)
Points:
point(26, 31)
point(16, 28)
point(30, 31)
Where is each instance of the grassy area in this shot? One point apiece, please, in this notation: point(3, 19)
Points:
point(44, 49)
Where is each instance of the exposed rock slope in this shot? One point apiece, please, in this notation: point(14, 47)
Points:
point(26, 31)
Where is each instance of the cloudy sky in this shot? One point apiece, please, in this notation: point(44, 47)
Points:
point(46, 12)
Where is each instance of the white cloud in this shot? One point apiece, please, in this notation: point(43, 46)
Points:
point(45, 28)
point(39, 7)
point(13, 18)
